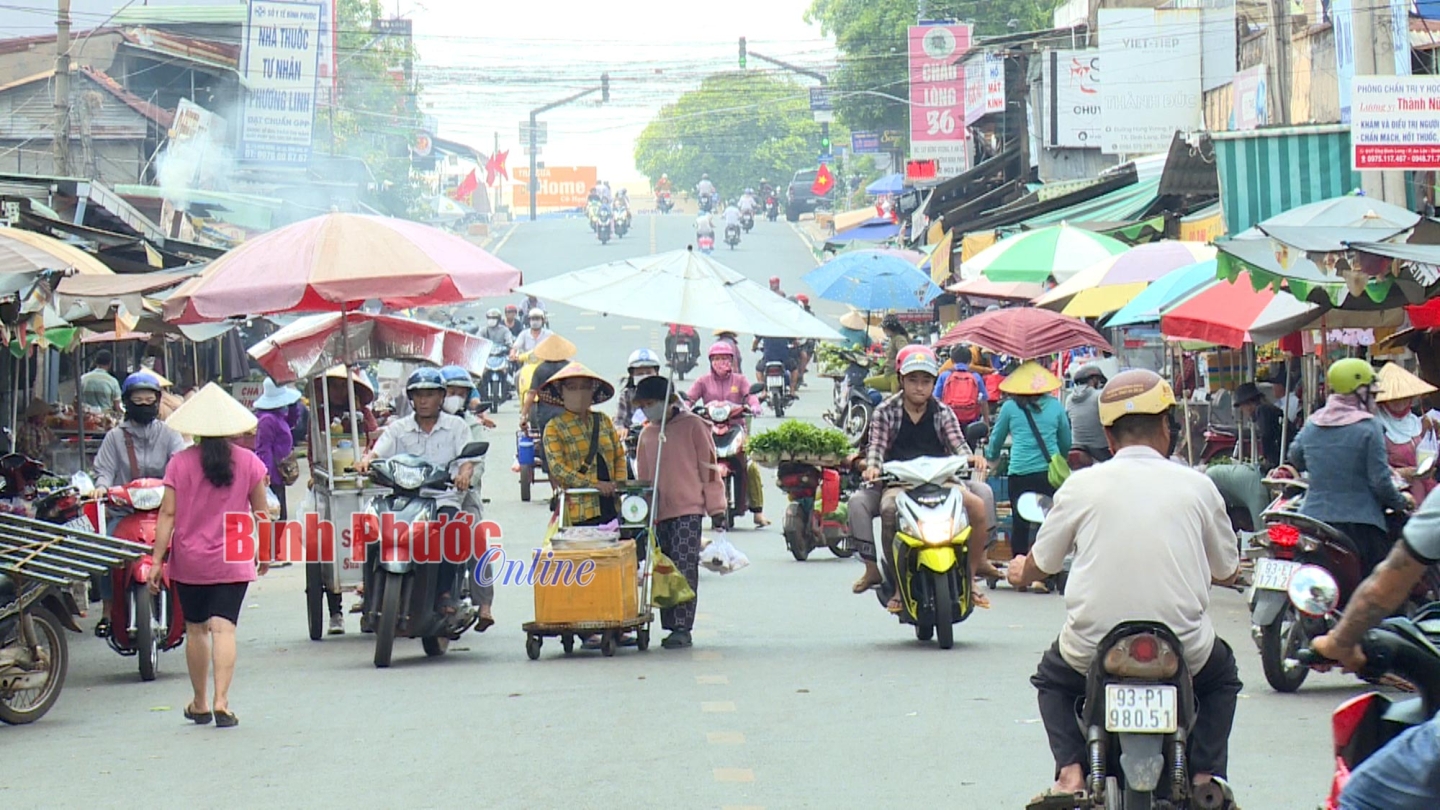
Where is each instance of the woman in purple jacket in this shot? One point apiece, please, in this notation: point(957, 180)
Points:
point(273, 438)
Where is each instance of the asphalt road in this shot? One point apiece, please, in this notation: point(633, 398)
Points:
point(792, 688)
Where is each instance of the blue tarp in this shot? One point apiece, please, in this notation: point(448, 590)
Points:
point(876, 229)
point(889, 184)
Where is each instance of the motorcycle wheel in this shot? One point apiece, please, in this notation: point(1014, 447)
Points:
point(1114, 799)
point(944, 610)
point(527, 479)
point(777, 399)
point(52, 640)
point(794, 533)
point(392, 585)
point(435, 645)
point(314, 601)
point(147, 647)
point(840, 549)
point(1274, 643)
point(1135, 800)
point(857, 421)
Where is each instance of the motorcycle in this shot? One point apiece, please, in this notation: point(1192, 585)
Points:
point(811, 521)
point(592, 213)
point(853, 404)
point(680, 357)
point(1220, 442)
point(495, 384)
point(777, 388)
point(34, 654)
point(706, 243)
point(772, 208)
point(707, 203)
point(400, 594)
point(747, 220)
point(932, 538)
point(604, 225)
point(664, 202)
point(732, 235)
point(142, 624)
point(622, 221)
point(728, 429)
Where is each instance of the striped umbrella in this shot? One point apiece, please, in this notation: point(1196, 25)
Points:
point(1112, 282)
point(1058, 252)
point(1235, 314)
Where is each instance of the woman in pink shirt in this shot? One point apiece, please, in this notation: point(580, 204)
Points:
point(203, 484)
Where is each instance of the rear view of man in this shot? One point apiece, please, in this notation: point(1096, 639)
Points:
point(963, 390)
point(99, 390)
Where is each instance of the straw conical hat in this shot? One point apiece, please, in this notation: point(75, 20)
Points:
point(1029, 379)
point(1397, 383)
point(553, 349)
point(852, 320)
point(550, 394)
point(212, 413)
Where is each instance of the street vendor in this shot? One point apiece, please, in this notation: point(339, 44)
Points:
point(1404, 429)
point(99, 390)
point(33, 436)
point(581, 446)
point(853, 330)
point(896, 338)
point(553, 354)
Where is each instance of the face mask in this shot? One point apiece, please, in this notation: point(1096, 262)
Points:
point(142, 414)
point(148, 362)
point(720, 366)
point(654, 412)
point(578, 401)
point(453, 403)
point(493, 321)
point(537, 325)
point(642, 373)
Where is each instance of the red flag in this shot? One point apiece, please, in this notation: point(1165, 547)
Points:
point(467, 187)
point(496, 166)
point(824, 181)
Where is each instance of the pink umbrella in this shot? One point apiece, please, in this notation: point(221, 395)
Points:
point(310, 345)
point(336, 262)
point(981, 287)
point(1236, 314)
point(1025, 333)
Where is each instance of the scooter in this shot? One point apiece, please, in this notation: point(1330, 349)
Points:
point(664, 202)
point(727, 428)
point(142, 624)
point(1220, 444)
point(772, 208)
point(495, 384)
point(604, 225)
point(705, 243)
point(401, 593)
point(680, 357)
point(853, 401)
point(1138, 713)
point(777, 388)
point(747, 220)
point(811, 521)
point(622, 221)
point(732, 235)
point(707, 203)
point(930, 547)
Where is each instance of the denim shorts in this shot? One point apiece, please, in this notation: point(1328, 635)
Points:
point(1404, 775)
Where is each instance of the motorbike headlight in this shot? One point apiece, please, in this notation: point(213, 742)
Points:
point(719, 412)
point(937, 531)
point(407, 477)
point(146, 499)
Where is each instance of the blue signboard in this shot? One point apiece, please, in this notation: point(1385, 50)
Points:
point(863, 143)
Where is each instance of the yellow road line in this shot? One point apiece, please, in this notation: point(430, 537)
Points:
point(734, 775)
point(725, 738)
point(505, 238)
point(717, 706)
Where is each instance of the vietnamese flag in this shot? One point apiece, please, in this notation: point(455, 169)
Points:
point(467, 187)
point(824, 181)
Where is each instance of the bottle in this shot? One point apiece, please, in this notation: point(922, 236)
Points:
point(344, 456)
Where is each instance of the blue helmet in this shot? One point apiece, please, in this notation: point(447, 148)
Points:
point(424, 379)
point(141, 381)
point(456, 376)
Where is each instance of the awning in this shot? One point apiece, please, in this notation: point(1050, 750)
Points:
point(889, 184)
point(877, 229)
point(846, 220)
point(1269, 171)
point(1122, 205)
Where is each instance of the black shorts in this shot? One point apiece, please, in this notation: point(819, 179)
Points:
point(200, 603)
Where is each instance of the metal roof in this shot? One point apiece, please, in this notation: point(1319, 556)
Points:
point(229, 13)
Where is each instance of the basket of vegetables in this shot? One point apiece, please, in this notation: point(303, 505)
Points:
point(799, 441)
point(831, 359)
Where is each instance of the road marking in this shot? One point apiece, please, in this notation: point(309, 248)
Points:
point(590, 313)
point(805, 240)
point(631, 327)
point(703, 633)
point(584, 329)
point(504, 239)
point(725, 738)
point(743, 807)
point(705, 656)
point(717, 706)
point(711, 680)
point(734, 775)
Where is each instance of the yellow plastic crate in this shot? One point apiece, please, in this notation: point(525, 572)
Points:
point(610, 596)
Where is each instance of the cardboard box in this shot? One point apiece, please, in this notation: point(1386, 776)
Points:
point(610, 596)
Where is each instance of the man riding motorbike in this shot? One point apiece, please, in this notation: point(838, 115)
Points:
point(725, 383)
point(675, 332)
point(1405, 774)
point(765, 188)
point(512, 320)
point(526, 341)
point(732, 216)
point(704, 187)
point(747, 202)
point(910, 425)
point(1138, 512)
point(704, 225)
point(777, 350)
point(606, 197)
point(775, 286)
point(437, 437)
point(663, 185)
point(642, 363)
point(495, 331)
point(1083, 408)
point(459, 386)
point(1343, 448)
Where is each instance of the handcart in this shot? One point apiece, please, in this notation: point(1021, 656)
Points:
point(556, 619)
point(530, 455)
point(337, 501)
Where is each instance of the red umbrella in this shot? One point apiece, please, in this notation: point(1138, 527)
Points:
point(310, 345)
point(1025, 333)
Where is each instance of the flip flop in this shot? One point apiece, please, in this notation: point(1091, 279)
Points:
point(226, 720)
point(483, 623)
point(1053, 800)
point(980, 600)
point(198, 718)
point(897, 609)
point(862, 585)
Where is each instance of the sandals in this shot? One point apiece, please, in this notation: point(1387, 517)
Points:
point(102, 628)
point(225, 719)
point(198, 718)
point(484, 623)
point(1054, 800)
point(980, 600)
point(895, 605)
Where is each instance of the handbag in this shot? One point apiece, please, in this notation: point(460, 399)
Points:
point(1059, 466)
point(668, 587)
point(289, 469)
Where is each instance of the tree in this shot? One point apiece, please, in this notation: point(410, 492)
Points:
point(736, 127)
point(874, 49)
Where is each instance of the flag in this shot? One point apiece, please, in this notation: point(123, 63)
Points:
point(824, 181)
point(496, 166)
point(153, 257)
point(467, 187)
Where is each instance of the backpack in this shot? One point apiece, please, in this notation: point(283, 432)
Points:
point(962, 395)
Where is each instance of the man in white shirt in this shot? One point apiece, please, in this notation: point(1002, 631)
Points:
point(747, 202)
point(732, 216)
point(1149, 537)
point(704, 225)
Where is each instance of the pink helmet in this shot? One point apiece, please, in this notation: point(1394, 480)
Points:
point(722, 349)
point(907, 351)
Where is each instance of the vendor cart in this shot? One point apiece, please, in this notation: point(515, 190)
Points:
point(337, 501)
point(619, 594)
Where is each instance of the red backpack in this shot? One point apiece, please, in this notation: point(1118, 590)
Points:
point(962, 394)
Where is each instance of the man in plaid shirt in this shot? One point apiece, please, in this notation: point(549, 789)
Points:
point(913, 424)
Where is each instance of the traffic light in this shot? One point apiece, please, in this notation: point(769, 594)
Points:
point(742, 53)
point(605, 88)
point(825, 145)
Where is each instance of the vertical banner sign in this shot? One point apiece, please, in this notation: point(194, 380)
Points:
point(1075, 115)
point(1249, 92)
point(974, 68)
point(282, 52)
point(1152, 57)
point(329, 71)
point(1342, 19)
point(994, 83)
point(1396, 123)
point(937, 95)
point(1400, 35)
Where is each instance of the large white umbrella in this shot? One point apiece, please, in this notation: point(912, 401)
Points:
point(682, 287)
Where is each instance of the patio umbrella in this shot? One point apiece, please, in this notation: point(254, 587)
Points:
point(1003, 291)
point(1025, 333)
point(889, 184)
point(1235, 314)
point(1059, 251)
point(27, 252)
point(310, 345)
point(336, 262)
point(683, 287)
point(873, 280)
point(1344, 285)
point(1331, 225)
point(1164, 291)
point(1110, 283)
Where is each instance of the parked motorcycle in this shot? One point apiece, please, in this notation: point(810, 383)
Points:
point(817, 514)
point(728, 429)
point(664, 202)
point(1220, 443)
point(495, 383)
point(777, 388)
point(772, 208)
point(142, 624)
point(732, 235)
point(747, 220)
point(400, 594)
point(604, 224)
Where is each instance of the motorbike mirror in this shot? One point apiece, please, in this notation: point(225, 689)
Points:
point(1426, 467)
point(82, 482)
point(1033, 507)
point(475, 450)
point(1313, 591)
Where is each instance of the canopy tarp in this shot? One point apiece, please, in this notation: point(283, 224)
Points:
point(1122, 205)
point(875, 229)
point(889, 184)
point(1269, 171)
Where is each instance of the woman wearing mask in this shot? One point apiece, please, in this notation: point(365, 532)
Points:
point(725, 383)
point(1342, 446)
point(896, 338)
point(273, 439)
point(1038, 428)
point(139, 447)
point(203, 484)
point(581, 446)
point(1402, 427)
point(643, 363)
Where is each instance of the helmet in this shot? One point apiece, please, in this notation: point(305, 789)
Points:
point(1345, 376)
point(1135, 392)
point(141, 381)
point(774, 281)
point(454, 376)
point(721, 349)
point(537, 312)
point(511, 308)
point(664, 176)
point(642, 357)
point(704, 176)
point(1086, 372)
point(920, 361)
point(424, 379)
point(492, 313)
point(763, 181)
point(803, 298)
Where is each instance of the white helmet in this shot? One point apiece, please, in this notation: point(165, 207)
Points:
point(642, 357)
point(536, 313)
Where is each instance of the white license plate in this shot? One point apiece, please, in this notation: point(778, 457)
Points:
point(1274, 575)
point(1147, 709)
point(775, 382)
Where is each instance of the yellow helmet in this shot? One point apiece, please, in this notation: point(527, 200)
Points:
point(1135, 392)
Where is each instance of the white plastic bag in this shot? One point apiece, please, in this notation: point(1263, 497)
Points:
point(722, 556)
point(308, 505)
point(273, 504)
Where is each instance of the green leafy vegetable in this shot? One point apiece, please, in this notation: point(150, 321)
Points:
point(800, 439)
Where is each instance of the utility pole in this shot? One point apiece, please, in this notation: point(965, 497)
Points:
point(62, 90)
point(603, 90)
point(820, 77)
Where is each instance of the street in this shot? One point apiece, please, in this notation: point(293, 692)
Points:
point(792, 686)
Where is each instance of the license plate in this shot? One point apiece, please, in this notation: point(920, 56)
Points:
point(1147, 709)
point(1274, 575)
point(775, 382)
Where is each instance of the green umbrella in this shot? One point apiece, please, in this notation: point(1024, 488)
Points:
point(1059, 251)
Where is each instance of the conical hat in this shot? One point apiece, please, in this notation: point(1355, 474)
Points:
point(550, 394)
point(364, 391)
point(212, 413)
point(553, 349)
point(1397, 383)
point(852, 320)
point(1030, 379)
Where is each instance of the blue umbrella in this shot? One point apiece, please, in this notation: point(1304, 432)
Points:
point(889, 184)
point(1164, 291)
point(873, 280)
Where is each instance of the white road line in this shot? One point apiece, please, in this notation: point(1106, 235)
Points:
point(631, 327)
point(584, 329)
point(805, 240)
point(504, 239)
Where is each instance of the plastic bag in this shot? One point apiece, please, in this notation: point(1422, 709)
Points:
point(308, 505)
point(722, 557)
point(272, 504)
point(668, 587)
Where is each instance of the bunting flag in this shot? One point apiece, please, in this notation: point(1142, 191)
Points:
point(467, 187)
point(496, 166)
point(153, 257)
point(824, 181)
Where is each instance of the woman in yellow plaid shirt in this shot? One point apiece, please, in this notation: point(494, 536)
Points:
point(581, 445)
